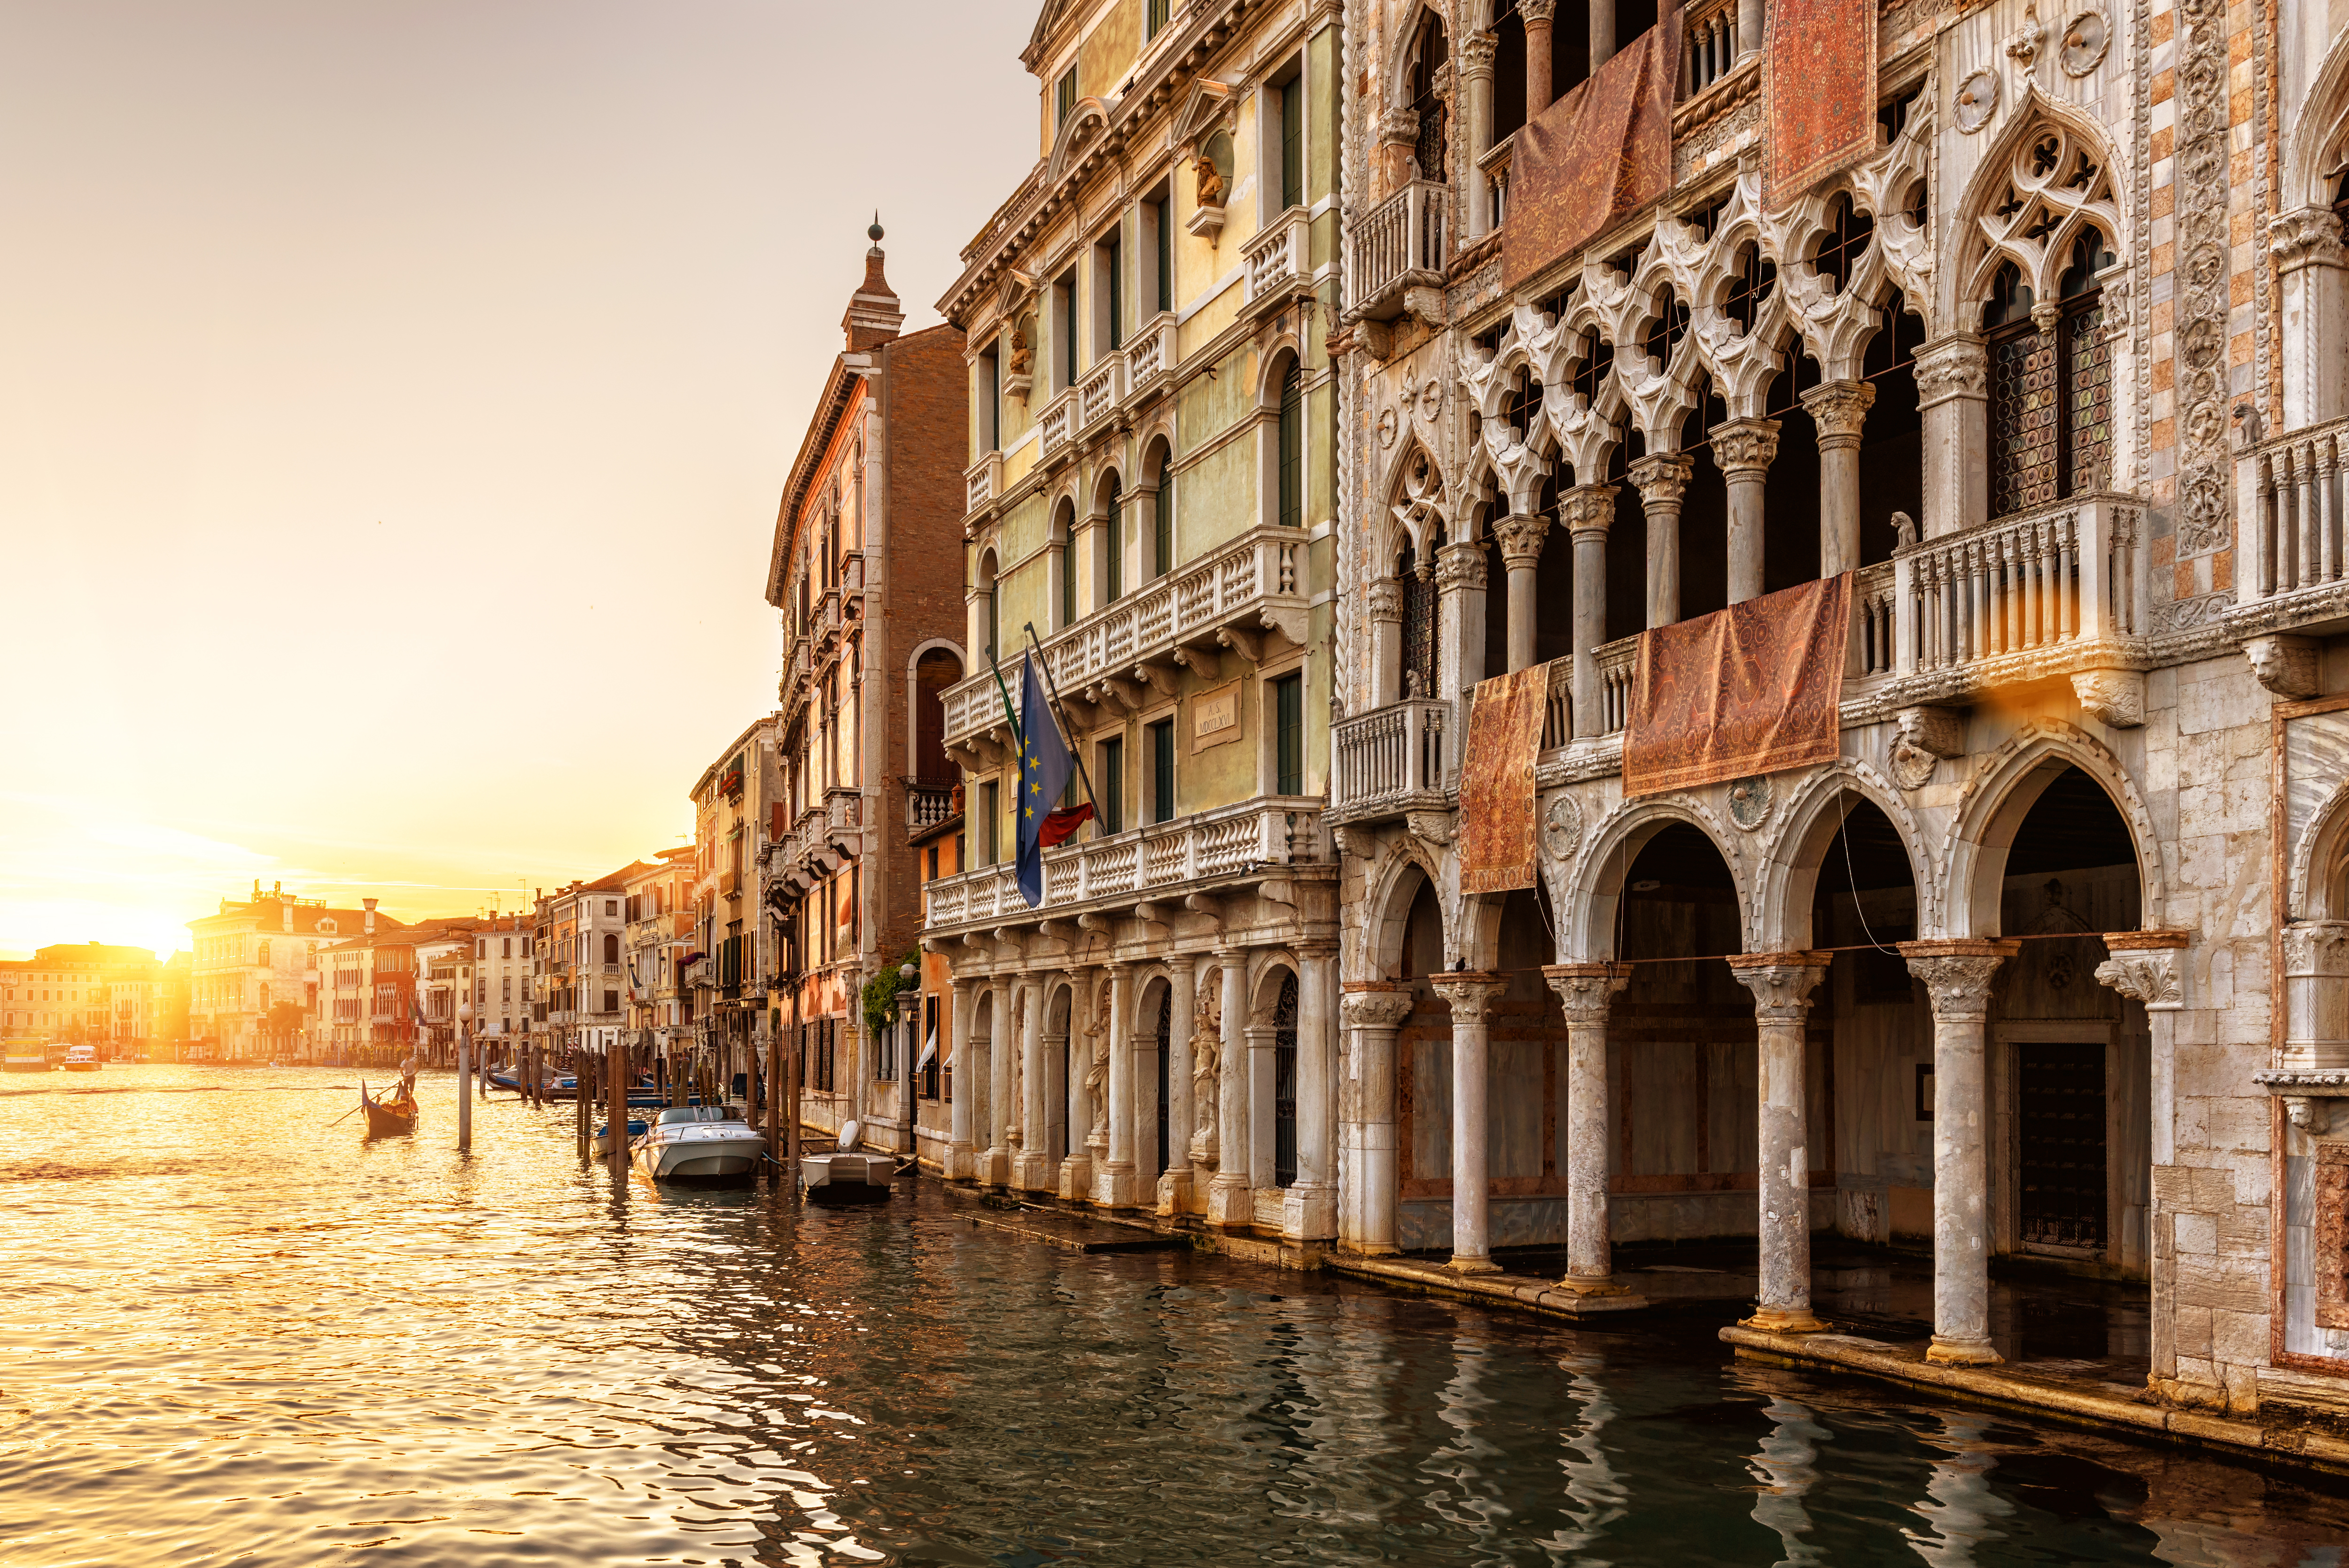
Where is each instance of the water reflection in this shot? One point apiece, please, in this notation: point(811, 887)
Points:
point(227, 1328)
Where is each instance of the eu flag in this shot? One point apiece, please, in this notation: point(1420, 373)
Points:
point(1044, 767)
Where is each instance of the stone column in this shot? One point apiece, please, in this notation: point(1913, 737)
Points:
point(1386, 642)
point(1521, 538)
point(1460, 577)
point(1782, 985)
point(2316, 995)
point(1586, 512)
point(1540, 16)
point(1662, 479)
point(1031, 1166)
point(1174, 1181)
point(1230, 1199)
point(1002, 1047)
point(2309, 262)
point(1839, 409)
point(1603, 32)
point(1745, 449)
point(1749, 28)
point(1586, 991)
point(960, 1150)
point(1374, 1010)
point(2146, 966)
point(1310, 1209)
point(1953, 404)
point(1957, 973)
point(1475, 68)
point(1472, 994)
point(1119, 1187)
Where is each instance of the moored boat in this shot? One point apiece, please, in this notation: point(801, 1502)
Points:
point(26, 1058)
point(82, 1059)
point(699, 1143)
point(847, 1175)
point(637, 1127)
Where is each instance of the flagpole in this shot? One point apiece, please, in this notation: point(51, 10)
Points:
point(1077, 753)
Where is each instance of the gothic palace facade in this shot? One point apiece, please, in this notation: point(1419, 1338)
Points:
point(1338, 370)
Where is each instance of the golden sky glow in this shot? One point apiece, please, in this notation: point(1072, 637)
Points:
point(394, 398)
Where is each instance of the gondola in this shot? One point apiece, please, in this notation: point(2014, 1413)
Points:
point(393, 1112)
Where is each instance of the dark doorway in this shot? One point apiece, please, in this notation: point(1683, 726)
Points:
point(1284, 1084)
point(2062, 1133)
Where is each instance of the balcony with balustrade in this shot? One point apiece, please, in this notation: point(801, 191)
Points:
point(1250, 588)
point(2292, 573)
point(1165, 860)
point(1402, 243)
point(1279, 261)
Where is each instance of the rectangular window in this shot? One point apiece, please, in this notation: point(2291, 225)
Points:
point(1162, 771)
point(1114, 256)
point(1292, 142)
point(1289, 735)
point(1114, 547)
point(1292, 449)
point(1113, 784)
point(1067, 290)
point(1164, 212)
point(1064, 97)
point(990, 400)
point(990, 818)
point(611, 1001)
point(1157, 17)
point(1162, 522)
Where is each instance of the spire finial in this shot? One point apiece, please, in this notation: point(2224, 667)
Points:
point(874, 231)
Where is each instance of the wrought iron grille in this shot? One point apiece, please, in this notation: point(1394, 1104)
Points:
point(2023, 418)
point(2088, 388)
point(1419, 639)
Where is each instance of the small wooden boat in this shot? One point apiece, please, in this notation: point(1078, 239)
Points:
point(392, 1112)
point(699, 1143)
point(847, 1176)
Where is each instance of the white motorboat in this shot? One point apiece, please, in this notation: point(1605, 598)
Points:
point(82, 1059)
point(847, 1175)
point(699, 1142)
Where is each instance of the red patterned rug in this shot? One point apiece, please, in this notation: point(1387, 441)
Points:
point(1819, 92)
point(1496, 782)
point(1597, 155)
point(1754, 688)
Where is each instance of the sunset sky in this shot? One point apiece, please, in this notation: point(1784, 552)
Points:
point(394, 398)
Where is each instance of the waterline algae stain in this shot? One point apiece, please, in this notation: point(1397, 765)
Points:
point(230, 1333)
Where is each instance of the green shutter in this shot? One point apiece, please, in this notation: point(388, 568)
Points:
point(1162, 519)
point(1117, 525)
point(1292, 442)
point(1292, 142)
point(1288, 710)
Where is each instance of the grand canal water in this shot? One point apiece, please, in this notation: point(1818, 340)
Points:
point(230, 1331)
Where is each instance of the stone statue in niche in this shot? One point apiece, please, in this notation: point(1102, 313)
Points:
point(1209, 178)
point(1206, 1064)
point(1097, 1073)
point(1023, 356)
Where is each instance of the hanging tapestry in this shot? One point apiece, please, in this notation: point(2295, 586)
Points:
point(1750, 689)
point(1496, 782)
point(1597, 155)
point(1818, 91)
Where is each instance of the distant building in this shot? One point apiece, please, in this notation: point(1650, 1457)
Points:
point(866, 570)
point(501, 981)
point(250, 990)
point(732, 815)
point(580, 928)
point(81, 992)
point(662, 927)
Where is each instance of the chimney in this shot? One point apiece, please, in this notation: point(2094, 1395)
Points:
point(873, 317)
point(370, 914)
point(285, 913)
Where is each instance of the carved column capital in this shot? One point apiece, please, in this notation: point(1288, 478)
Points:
point(2285, 665)
point(2308, 237)
point(2316, 947)
point(1782, 983)
point(1588, 509)
point(1537, 12)
point(1375, 1005)
point(1586, 991)
point(1386, 600)
point(1839, 409)
point(1662, 479)
point(1476, 56)
point(2114, 696)
point(1521, 537)
point(1951, 368)
point(2144, 964)
point(1745, 448)
point(1460, 564)
point(1398, 126)
point(1957, 973)
point(1470, 992)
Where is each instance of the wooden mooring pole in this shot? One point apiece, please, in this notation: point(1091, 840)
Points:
point(464, 1094)
point(615, 1136)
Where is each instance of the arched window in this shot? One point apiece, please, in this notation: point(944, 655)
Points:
point(1427, 67)
point(1068, 568)
point(262, 957)
point(611, 949)
point(2050, 384)
point(1292, 449)
point(987, 605)
point(933, 672)
point(1417, 578)
point(1113, 548)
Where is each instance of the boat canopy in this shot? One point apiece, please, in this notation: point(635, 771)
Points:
point(678, 1113)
